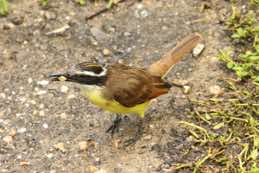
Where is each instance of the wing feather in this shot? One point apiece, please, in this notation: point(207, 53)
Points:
point(131, 86)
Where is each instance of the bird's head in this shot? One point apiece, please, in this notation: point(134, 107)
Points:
point(84, 73)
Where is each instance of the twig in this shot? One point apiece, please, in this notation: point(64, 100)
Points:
point(58, 31)
point(103, 10)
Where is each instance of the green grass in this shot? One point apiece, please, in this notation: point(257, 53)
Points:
point(231, 120)
point(244, 30)
point(44, 3)
point(81, 2)
point(110, 3)
point(255, 2)
point(3, 7)
point(227, 127)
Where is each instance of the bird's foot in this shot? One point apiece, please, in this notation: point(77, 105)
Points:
point(115, 125)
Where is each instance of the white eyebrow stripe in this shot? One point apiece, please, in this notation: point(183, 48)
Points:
point(89, 73)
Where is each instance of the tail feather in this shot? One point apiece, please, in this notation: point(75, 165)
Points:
point(164, 65)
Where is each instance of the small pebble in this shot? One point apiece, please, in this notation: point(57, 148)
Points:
point(186, 89)
point(49, 15)
point(33, 102)
point(198, 49)
point(19, 156)
point(92, 169)
point(41, 92)
point(63, 115)
point(83, 145)
point(117, 143)
point(64, 89)
point(50, 155)
point(71, 96)
point(8, 26)
point(140, 6)
point(41, 113)
point(1, 113)
point(8, 139)
point(24, 163)
point(180, 82)
point(1, 130)
point(58, 31)
point(215, 90)
point(151, 126)
point(4, 170)
point(164, 27)
point(12, 132)
point(144, 13)
point(141, 12)
point(41, 106)
point(45, 126)
point(2, 95)
point(106, 52)
point(100, 171)
point(22, 130)
point(35, 112)
point(43, 82)
point(127, 34)
point(17, 20)
point(148, 137)
point(97, 160)
point(60, 146)
point(29, 80)
point(22, 99)
point(18, 114)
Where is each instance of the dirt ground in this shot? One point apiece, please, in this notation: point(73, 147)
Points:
point(48, 127)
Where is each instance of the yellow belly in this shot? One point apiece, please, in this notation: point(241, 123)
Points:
point(95, 96)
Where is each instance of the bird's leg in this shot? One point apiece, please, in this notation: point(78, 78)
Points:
point(115, 125)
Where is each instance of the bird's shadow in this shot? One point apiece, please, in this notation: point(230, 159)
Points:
point(130, 131)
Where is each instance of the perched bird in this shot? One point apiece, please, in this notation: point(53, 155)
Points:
point(124, 89)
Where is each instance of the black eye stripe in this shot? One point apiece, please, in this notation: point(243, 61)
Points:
point(89, 80)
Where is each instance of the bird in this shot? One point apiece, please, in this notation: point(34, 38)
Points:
point(125, 89)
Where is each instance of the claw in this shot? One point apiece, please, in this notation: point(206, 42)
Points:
point(115, 125)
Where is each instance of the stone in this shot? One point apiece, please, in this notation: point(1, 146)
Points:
point(186, 89)
point(24, 163)
point(106, 52)
point(60, 146)
point(198, 49)
point(45, 125)
point(22, 130)
point(83, 146)
point(64, 89)
point(43, 82)
point(215, 90)
point(8, 139)
point(17, 20)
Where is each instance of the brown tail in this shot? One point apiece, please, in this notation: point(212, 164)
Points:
point(164, 65)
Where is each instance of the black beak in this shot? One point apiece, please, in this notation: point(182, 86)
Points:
point(59, 76)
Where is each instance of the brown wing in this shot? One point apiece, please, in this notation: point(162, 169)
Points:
point(131, 86)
